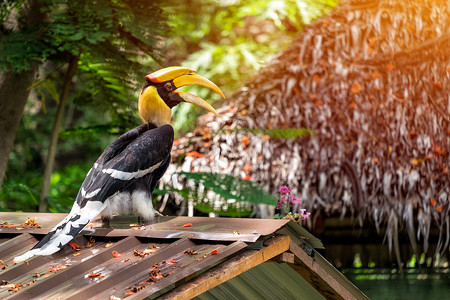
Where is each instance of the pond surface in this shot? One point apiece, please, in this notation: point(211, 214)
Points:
point(379, 284)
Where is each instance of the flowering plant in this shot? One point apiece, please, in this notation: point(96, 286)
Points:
point(286, 203)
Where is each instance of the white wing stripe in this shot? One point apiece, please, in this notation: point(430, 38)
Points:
point(130, 175)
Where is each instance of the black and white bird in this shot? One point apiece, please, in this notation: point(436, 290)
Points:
point(124, 176)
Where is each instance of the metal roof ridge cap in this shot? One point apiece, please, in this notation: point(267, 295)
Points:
point(301, 233)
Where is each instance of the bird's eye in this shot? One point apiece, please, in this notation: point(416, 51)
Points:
point(168, 86)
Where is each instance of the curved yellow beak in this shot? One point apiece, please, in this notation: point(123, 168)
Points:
point(182, 76)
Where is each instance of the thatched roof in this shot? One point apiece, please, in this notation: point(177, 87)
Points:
point(372, 81)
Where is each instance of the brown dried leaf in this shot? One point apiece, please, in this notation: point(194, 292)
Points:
point(58, 268)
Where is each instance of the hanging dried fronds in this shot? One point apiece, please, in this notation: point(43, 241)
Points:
point(372, 81)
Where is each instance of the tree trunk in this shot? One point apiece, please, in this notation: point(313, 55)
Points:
point(14, 91)
point(71, 70)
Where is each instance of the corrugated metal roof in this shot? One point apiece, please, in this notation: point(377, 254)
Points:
point(170, 257)
point(269, 280)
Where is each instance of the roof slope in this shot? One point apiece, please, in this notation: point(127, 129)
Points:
point(372, 81)
point(171, 258)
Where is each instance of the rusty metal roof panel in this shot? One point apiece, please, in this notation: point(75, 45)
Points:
point(94, 271)
point(170, 257)
point(120, 260)
point(212, 229)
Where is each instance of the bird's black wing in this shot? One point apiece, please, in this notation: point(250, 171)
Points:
point(142, 153)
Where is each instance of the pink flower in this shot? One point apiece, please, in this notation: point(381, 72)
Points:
point(305, 216)
point(284, 190)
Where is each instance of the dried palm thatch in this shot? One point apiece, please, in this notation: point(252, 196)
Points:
point(372, 81)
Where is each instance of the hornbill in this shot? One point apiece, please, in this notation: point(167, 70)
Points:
point(124, 176)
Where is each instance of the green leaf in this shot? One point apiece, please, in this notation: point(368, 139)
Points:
point(285, 133)
point(232, 188)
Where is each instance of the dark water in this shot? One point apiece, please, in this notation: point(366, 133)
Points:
point(380, 284)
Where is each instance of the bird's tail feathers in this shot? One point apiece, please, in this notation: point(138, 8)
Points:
point(65, 230)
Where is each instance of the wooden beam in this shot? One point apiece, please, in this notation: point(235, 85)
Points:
point(229, 269)
point(285, 257)
point(323, 276)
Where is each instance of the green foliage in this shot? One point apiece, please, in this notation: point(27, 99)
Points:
point(228, 41)
point(223, 194)
point(120, 42)
point(65, 185)
point(91, 132)
point(285, 133)
point(18, 196)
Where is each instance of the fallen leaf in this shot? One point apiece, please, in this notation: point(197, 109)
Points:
point(155, 265)
point(74, 246)
point(146, 252)
point(93, 275)
point(90, 243)
point(76, 254)
point(190, 252)
point(12, 287)
point(3, 266)
point(116, 254)
point(31, 283)
point(16, 288)
point(137, 226)
point(199, 259)
point(58, 268)
point(109, 244)
point(6, 225)
point(134, 289)
point(31, 223)
point(214, 252)
point(172, 261)
point(184, 225)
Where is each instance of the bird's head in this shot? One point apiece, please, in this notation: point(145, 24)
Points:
point(158, 96)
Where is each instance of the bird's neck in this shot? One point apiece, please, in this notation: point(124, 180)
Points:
point(152, 108)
